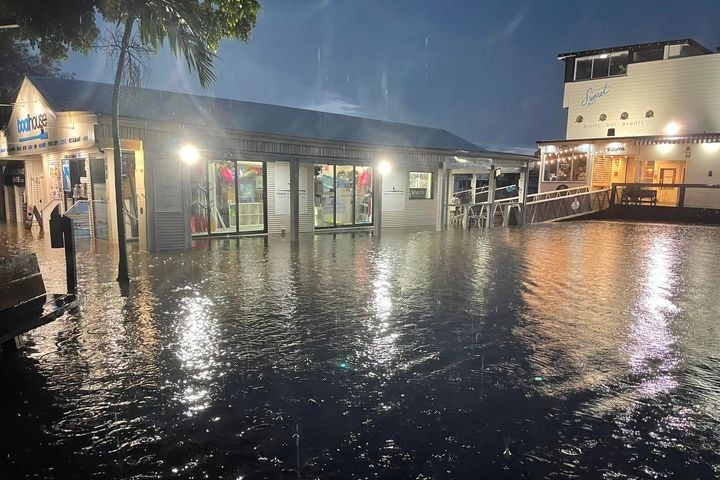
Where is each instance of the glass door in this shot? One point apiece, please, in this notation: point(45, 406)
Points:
point(98, 185)
point(343, 195)
point(251, 197)
point(227, 197)
point(223, 196)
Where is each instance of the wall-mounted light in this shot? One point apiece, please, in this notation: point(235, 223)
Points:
point(188, 154)
point(672, 128)
point(384, 167)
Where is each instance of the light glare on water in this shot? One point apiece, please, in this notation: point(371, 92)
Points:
point(585, 350)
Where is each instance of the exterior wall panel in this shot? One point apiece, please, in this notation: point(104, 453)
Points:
point(681, 90)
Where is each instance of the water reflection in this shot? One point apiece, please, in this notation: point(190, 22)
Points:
point(651, 340)
point(583, 350)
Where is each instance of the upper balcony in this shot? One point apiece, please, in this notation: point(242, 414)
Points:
point(614, 61)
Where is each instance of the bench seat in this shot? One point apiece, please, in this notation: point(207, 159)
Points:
point(23, 318)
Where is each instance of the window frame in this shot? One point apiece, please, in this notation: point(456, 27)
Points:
point(431, 187)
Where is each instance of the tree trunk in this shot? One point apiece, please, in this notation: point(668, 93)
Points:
point(123, 276)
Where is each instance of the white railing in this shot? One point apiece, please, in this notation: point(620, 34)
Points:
point(557, 193)
point(567, 206)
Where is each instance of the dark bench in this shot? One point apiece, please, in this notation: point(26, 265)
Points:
point(637, 196)
point(24, 303)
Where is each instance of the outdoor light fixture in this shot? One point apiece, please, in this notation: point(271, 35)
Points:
point(498, 172)
point(189, 154)
point(384, 167)
point(672, 128)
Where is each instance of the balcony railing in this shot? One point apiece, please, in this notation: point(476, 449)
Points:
point(655, 194)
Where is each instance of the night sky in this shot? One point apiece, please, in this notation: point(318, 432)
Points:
point(485, 70)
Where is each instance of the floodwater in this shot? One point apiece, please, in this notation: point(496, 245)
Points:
point(581, 350)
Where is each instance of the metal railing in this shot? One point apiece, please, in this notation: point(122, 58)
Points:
point(566, 206)
point(564, 192)
point(660, 194)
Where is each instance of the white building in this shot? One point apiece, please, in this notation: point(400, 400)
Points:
point(262, 169)
point(647, 113)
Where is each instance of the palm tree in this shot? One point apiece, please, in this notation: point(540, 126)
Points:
point(192, 29)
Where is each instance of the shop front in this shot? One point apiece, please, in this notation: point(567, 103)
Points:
point(342, 195)
point(600, 163)
point(227, 197)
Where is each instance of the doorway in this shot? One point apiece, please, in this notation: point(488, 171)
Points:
point(98, 186)
point(228, 197)
point(343, 195)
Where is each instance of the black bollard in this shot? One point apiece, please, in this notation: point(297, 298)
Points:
point(70, 266)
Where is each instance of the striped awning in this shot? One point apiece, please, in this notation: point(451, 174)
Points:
point(675, 139)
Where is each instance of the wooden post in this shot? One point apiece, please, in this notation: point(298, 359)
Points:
point(612, 194)
point(681, 196)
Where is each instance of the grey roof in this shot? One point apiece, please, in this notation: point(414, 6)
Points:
point(67, 95)
point(681, 41)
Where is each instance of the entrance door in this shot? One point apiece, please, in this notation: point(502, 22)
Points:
point(98, 184)
point(668, 195)
point(343, 195)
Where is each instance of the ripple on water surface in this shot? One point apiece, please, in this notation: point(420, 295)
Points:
point(585, 350)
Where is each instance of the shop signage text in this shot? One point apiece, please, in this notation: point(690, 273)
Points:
point(615, 148)
point(592, 95)
point(30, 123)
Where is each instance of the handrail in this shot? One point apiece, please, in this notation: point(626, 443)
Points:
point(564, 192)
point(668, 185)
point(573, 195)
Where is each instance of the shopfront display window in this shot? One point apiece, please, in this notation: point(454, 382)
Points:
point(420, 185)
point(227, 197)
point(343, 195)
point(565, 166)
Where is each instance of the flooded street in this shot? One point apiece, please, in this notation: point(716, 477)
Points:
point(580, 350)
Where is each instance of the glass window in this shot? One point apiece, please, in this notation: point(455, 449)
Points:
point(223, 211)
point(579, 169)
point(324, 194)
point(550, 168)
point(198, 198)
point(583, 69)
point(227, 196)
point(648, 55)
point(601, 66)
point(618, 63)
point(420, 186)
point(564, 166)
point(343, 195)
point(250, 209)
point(363, 195)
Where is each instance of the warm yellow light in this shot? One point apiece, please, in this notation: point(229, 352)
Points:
point(189, 154)
point(672, 128)
point(384, 167)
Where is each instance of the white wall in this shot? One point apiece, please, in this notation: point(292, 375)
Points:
point(400, 211)
point(681, 90)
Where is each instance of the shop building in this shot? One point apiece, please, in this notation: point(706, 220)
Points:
point(646, 113)
point(261, 169)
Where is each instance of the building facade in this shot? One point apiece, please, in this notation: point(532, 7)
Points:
point(647, 113)
point(262, 169)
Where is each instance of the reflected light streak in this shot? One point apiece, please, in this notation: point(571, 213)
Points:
point(197, 350)
point(651, 354)
point(382, 347)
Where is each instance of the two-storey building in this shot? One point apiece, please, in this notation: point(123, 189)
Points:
point(647, 113)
